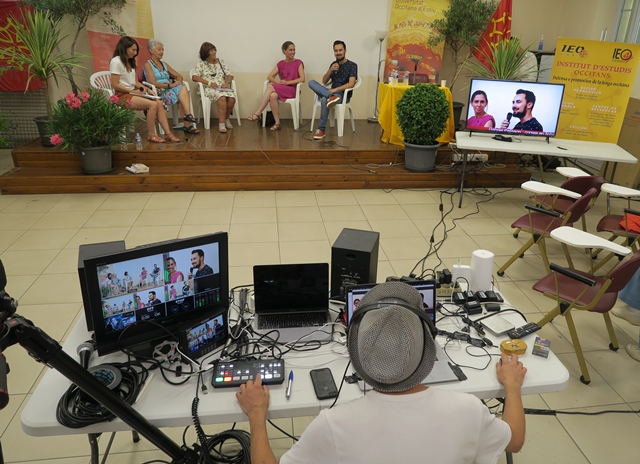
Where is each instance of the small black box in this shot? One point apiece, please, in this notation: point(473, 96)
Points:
point(93, 250)
point(473, 307)
point(354, 260)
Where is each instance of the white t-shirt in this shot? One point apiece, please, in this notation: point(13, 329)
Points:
point(127, 78)
point(431, 426)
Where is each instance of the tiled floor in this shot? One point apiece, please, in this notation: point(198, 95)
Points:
point(39, 236)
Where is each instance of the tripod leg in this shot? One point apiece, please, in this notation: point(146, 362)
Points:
point(509, 457)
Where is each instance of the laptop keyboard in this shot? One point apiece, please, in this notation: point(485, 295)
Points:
point(284, 321)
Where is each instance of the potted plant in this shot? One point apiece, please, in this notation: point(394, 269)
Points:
point(422, 114)
point(91, 124)
point(507, 61)
point(462, 25)
point(41, 56)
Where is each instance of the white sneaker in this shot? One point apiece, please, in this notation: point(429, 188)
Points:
point(629, 314)
point(633, 350)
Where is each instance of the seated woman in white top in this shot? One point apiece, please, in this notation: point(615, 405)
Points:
point(123, 80)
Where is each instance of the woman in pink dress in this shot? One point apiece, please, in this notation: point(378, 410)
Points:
point(174, 274)
point(480, 119)
point(290, 72)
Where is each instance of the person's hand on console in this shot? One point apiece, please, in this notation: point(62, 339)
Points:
point(511, 373)
point(253, 398)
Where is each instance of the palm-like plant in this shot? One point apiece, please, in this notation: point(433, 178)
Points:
point(41, 53)
point(507, 60)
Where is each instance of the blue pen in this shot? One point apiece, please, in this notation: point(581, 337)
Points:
point(289, 382)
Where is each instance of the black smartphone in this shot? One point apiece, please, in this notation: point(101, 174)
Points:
point(323, 383)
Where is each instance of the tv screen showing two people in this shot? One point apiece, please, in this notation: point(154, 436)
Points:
point(511, 107)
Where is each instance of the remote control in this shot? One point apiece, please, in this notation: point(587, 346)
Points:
point(235, 373)
point(524, 330)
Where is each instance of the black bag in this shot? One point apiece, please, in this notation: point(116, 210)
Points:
point(269, 120)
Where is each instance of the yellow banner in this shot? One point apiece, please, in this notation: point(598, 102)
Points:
point(409, 29)
point(598, 77)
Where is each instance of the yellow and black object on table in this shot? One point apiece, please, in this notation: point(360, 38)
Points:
point(388, 96)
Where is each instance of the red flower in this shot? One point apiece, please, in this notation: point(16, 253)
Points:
point(73, 101)
point(85, 96)
point(56, 139)
point(114, 99)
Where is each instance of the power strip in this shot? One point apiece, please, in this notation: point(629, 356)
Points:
point(457, 157)
point(447, 289)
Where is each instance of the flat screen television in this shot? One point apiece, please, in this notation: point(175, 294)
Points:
point(141, 295)
point(514, 107)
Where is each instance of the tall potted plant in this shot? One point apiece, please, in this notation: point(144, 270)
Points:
point(41, 56)
point(507, 61)
point(91, 123)
point(462, 25)
point(422, 114)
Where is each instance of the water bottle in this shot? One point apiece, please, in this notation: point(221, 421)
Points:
point(393, 77)
point(405, 79)
point(541, 43)
point(138, 141)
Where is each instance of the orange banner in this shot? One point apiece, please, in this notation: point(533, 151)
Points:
point(409, 29)
point(499, 28)
point(14, 79)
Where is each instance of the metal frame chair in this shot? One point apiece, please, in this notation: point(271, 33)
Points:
point(296, 109)
point(584, 291)
point(539, 222)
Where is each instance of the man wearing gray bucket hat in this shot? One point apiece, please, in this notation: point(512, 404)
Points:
point(392, 348)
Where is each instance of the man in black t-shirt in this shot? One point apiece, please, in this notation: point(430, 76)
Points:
point(343, 75)
point(522, 106)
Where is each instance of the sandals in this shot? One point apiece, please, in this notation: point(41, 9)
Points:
point(191, 130)
point(171, 138)
point(155, 138)
point(275, 127)
point(221, 128)
point(189, 118)
point(254, 117)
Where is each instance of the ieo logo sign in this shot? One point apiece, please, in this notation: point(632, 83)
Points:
point(572, 48)
point(623, 54)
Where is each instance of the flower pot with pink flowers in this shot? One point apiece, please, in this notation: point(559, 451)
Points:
point(91, 124)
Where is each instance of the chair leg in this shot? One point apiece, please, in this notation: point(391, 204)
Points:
point(612, 335)
point(522, 249)
point(313, 116)
point(585, 378)
point(543, 253)
point(353, 123)
point(567, 255)
point(339, 109)
point(551, 315)
point(206, 113)
point(294, 116)
point(236, 109)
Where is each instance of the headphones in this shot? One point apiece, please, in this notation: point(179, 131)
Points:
point(359, 313)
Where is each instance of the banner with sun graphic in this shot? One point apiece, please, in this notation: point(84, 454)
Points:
point(409, 29)
point(499, 28)
point(598, 77)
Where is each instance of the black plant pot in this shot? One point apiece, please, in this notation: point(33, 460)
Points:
point(42, 122)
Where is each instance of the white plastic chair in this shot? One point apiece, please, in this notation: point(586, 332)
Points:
point(296, 112)
point(339, 111)
point(205, 103)
point(102, 81)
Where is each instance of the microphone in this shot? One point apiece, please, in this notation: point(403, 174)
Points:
point(84, 351)
point(333, 73)
point(509, 116)
point(4, 391)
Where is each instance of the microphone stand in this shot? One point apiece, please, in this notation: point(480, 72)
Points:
point(415, 68)
point(15, 329)
point(374, 119)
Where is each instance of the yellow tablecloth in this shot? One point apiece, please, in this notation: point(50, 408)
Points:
point(388, 96)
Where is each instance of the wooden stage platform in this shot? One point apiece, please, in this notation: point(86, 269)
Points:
point(251, 158)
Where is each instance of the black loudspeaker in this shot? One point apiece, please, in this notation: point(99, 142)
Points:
point(93, 250)
point(354, 260)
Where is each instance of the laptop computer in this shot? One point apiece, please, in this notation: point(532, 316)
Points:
point(292, 299)
point(442, 371)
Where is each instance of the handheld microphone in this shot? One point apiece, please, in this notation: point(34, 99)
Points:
point(4, 391)
point(84, 351)
point(333, 73)
point(509, 116)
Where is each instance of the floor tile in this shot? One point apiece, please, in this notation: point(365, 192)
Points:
point(253, 215)
point(249, 254)
point(342, 213)
point(43, 239)
point(33, 203)
point(245, 233)
point(109, 218)
point(299, 231)
point(404, 248)
point(415, 197)
point(418, 212)
point(254, 200)
point(195, 230)
point(212, 200)
point(95, 235)
point(64, 263)
point(60, 288)
point(336, 198)
point(146, 235)
point(8, 237)
point(299, 214)
point(481, 226)
point(395, 228)
point(437, 228)
point(618, 368)
point(124, 201)
point(305, 252)
point(169, 201)
point(374, 197)
point(152, 217)
point(384, 212)
point(19, 221)
point(296, 198)
point(26, 262)
point(334, 228)
point(80, 202)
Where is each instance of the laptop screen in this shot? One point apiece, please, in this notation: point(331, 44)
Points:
point(291, 287)
point(427, 289)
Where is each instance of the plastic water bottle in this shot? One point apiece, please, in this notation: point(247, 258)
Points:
point(138, 141)
point(541, 43)
point(393, 77)
point(405, 79)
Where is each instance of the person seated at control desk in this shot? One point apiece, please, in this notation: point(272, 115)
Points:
point(392, 349)
point(522, 107)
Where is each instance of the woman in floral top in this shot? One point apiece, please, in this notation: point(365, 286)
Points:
point(216, 77)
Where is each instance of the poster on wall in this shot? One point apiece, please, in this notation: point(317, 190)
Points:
point(135, 20)
point(409, 30)
point(598, 77)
